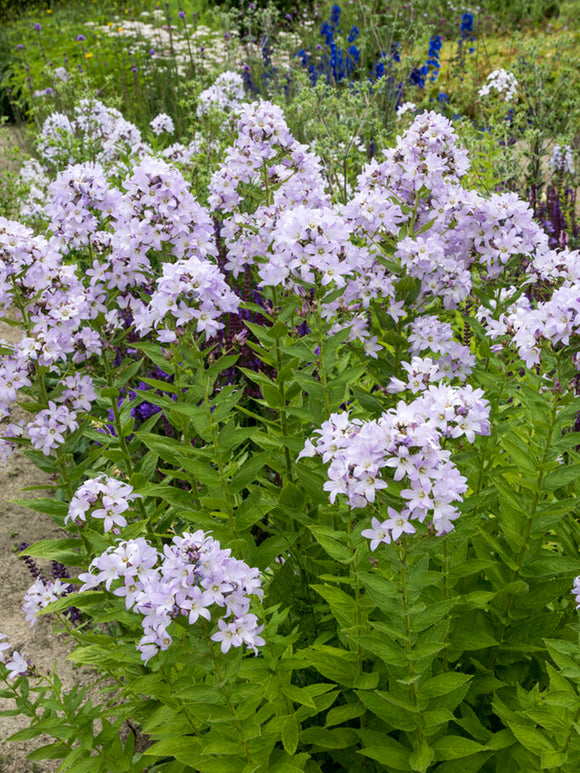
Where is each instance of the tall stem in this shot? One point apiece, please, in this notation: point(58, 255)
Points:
point(407, 635)
point(282, 387)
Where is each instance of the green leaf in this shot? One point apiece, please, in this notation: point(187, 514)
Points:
point(52, 751)
point(328, 539)
point(292, 497)
point(341, 714)
point(248, 472)
point(421, 757)
point(454, 747)
point(388, 651)
point(290, 734)
point(553, 759)
point(442, 684)
point(333, 663)
point(341, 738)
point(342, 605)
point(385, 750)
point(561, 477)
point(531, 738)
point(393, 714)
point(272, 396)
point(63, 550)
point(44, 505)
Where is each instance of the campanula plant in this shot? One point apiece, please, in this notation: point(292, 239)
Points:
point(355, 551)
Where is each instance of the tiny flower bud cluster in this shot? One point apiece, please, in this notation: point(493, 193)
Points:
point(190, 578)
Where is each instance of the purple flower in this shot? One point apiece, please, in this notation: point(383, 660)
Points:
point(80, 38)
point(37, 27)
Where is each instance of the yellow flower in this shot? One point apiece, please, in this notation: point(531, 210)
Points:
point(88, 56)
point(49, 10)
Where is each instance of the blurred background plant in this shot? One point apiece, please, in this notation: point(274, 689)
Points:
point(341, 73)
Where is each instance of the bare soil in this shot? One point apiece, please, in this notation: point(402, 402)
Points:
point(39, 643)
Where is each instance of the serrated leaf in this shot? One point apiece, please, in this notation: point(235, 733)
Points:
point(290, 734)
point(63, 550)
point(329, 739)
point(328, 540)
point(442, 684)
point(561, 477)
point(454, 747)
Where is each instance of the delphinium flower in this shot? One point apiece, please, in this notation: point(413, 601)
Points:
point(408, 439)
point(162, 123)
point(502, 82)
point(193, 577)
point(102, 498)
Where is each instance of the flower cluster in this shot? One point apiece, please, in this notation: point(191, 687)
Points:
point(162, 123)
point(16, 664)
point(226, 93)
point(502, 82)
point(407, 439)
point(562, 159)
point(103, 498)
point(41, 593)
point(190, 578)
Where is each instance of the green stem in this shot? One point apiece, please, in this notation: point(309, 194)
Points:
point(282, 387)
point(321, 363)
point(212, 427)
point(500, 631)
point(225, 692)
point(407, 635)
point(129, 467)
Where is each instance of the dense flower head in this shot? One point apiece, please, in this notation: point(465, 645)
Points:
point(408, 439)
point(226, 93)
point(188, 291)
point(162, 123)
point(192, 577)
point(265, 148)
point(423, 157)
